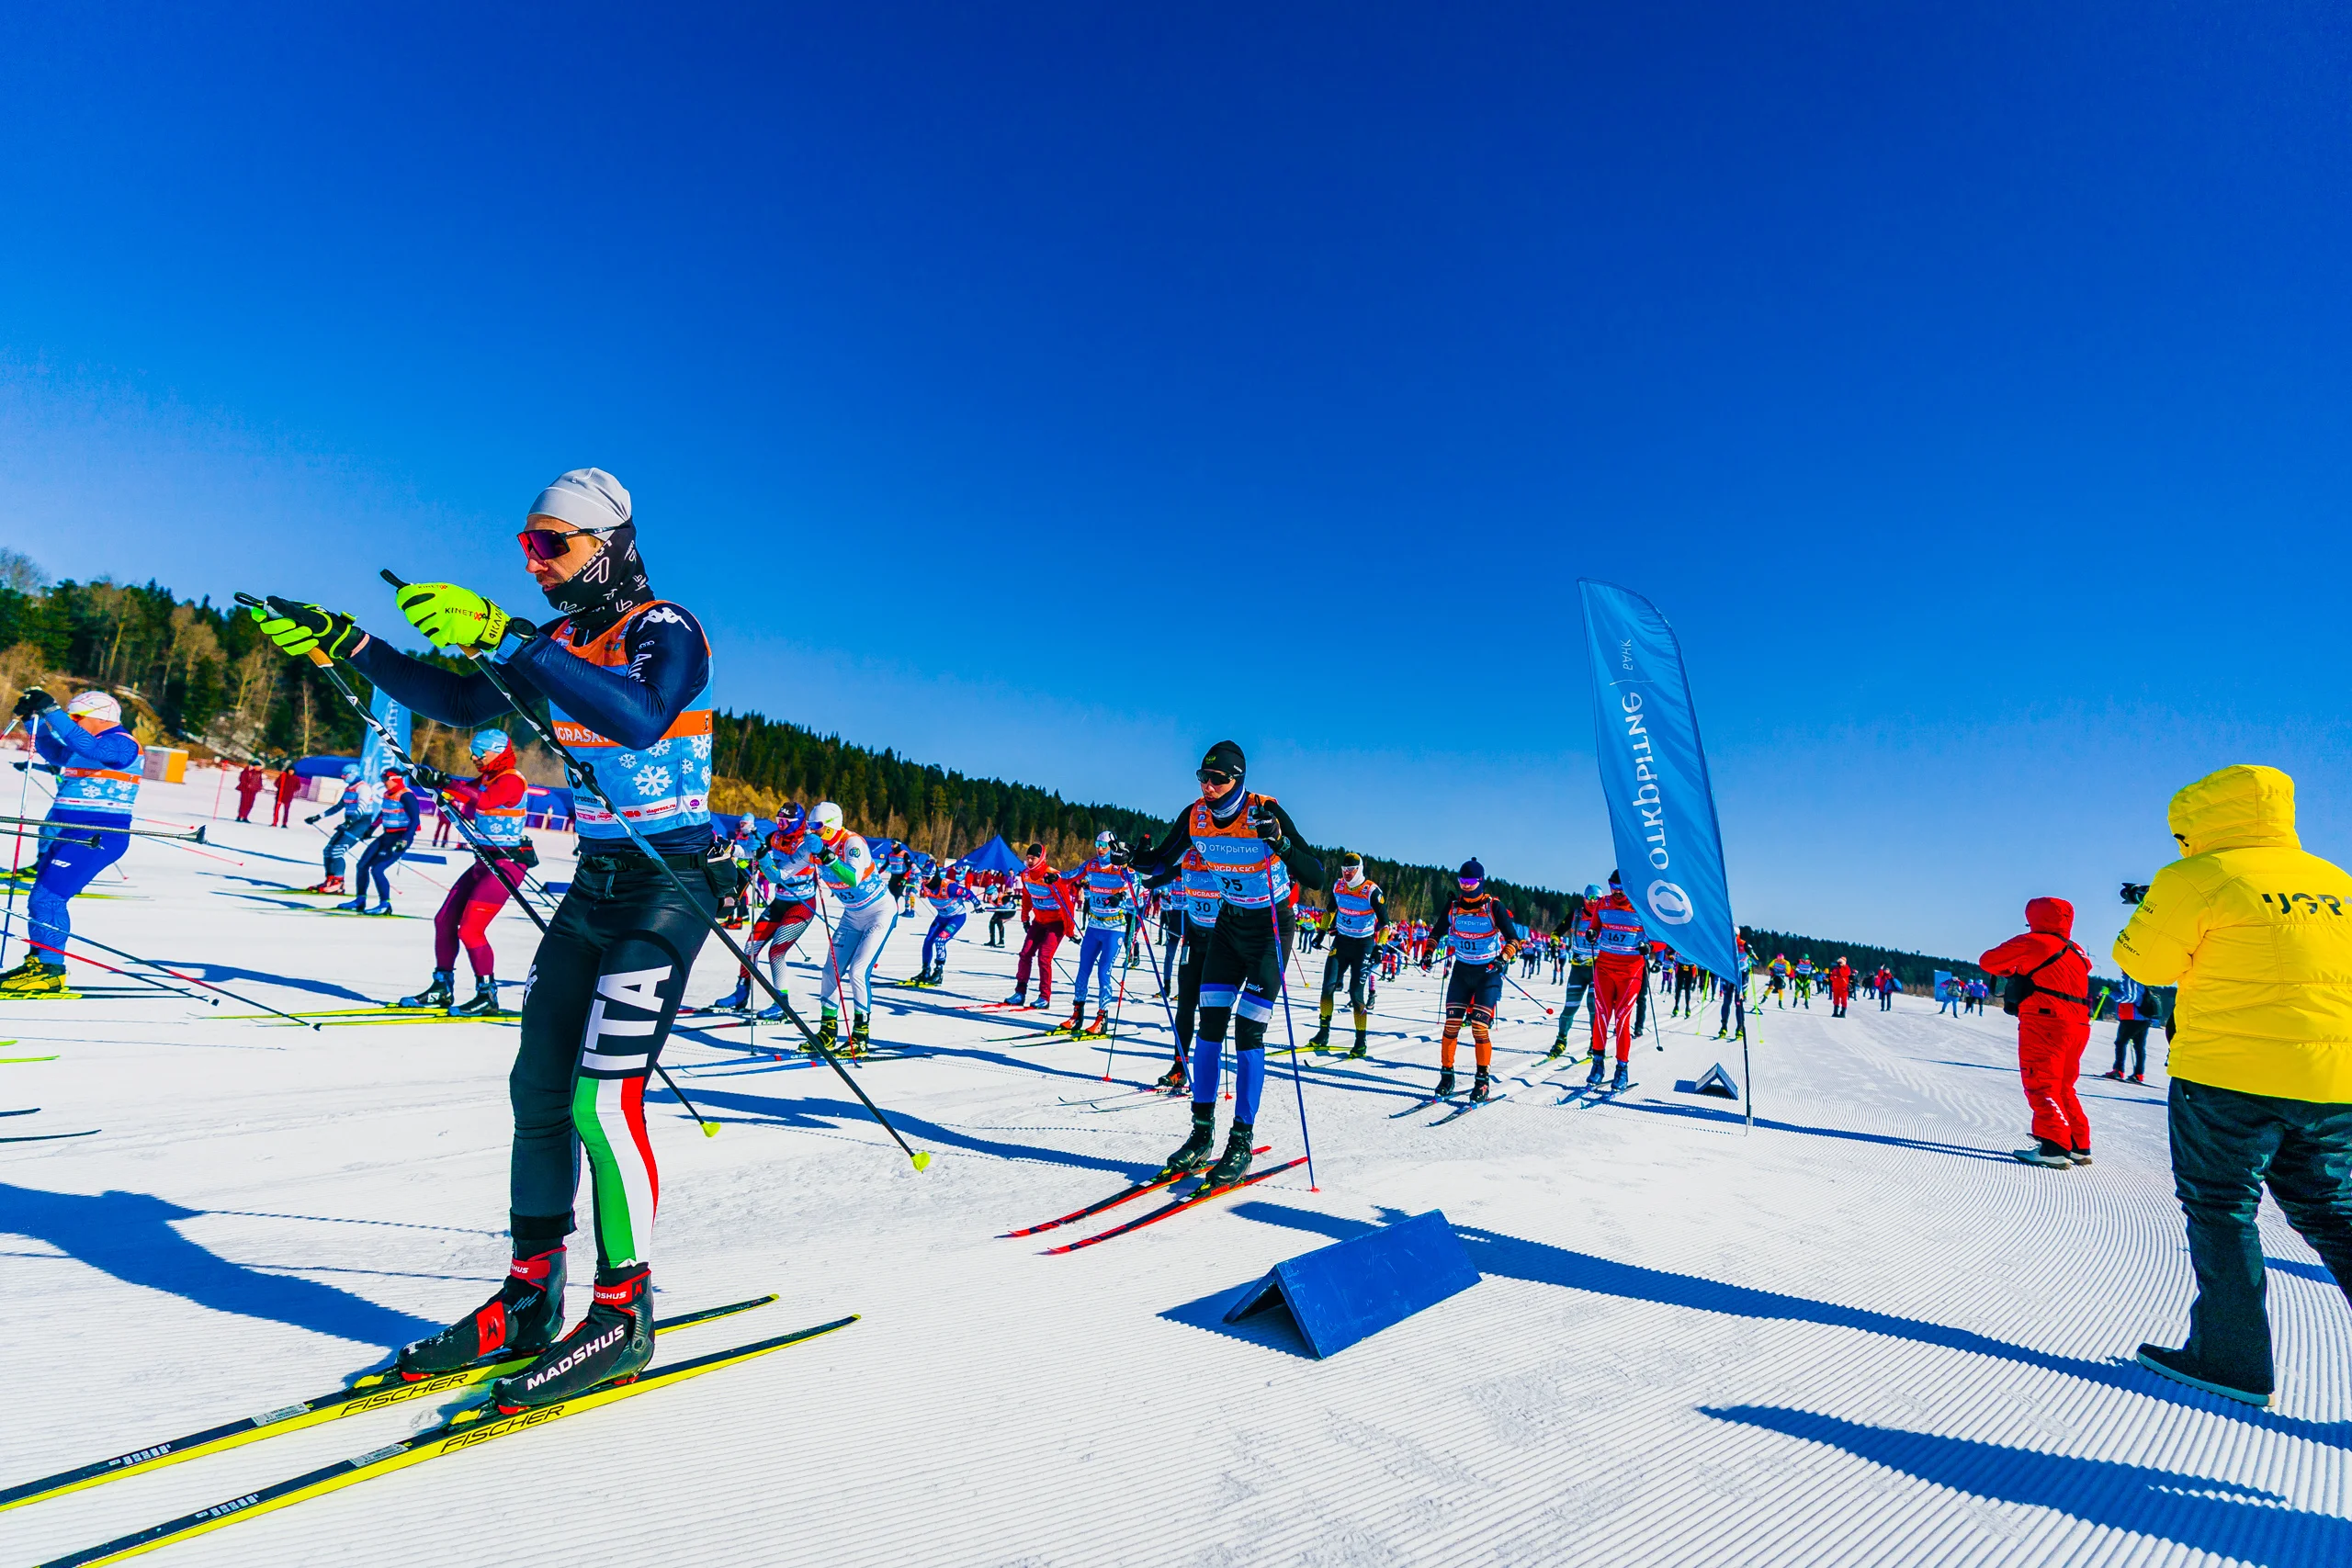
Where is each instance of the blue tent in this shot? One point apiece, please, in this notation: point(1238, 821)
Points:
point(994, 855)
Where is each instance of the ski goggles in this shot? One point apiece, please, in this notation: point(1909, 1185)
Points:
point(1471, 883)
point(1212, 777)
point(546, 544)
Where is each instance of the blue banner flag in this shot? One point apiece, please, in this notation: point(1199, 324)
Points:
point(374, 755)
point(1654, 773)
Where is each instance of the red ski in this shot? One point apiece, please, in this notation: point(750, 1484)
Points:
point(1165, 1178)
point(1177, 1207)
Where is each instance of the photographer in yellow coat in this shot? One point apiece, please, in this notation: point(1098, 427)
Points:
point(2257, 934)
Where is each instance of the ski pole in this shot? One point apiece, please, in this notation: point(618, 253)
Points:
point(185, 836)
point(1529, 995)
point(584, 776)
point(1298, 1084)
point(188, 979)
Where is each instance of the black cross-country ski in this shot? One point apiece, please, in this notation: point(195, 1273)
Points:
point(1178, 1206)
point(475, 1424)
point(1458, 1111)
point(1606, 1095)
point(373, 1392)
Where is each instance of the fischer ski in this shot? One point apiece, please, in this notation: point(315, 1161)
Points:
point(1177, 1207)
point(474, 1424)
point(1165, 1178)
point(373, 1392)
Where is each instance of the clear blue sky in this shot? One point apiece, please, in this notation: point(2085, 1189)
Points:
point(1047, 391)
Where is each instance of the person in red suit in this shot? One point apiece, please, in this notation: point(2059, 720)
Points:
point(1046, 903)
point(1614, 931)
point(290, 784)
point(2053, 1025)
point(249, 783)
point(1841, 988)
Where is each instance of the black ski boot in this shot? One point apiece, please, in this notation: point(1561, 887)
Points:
point(1623, 1080)
point(1174, 1080)
point(1445, 1082)
point(1193, 1152)
point(437, 995)
point(521, 1321)
point(1320, 1038)
point(860, 1035)
point(612, 1344)
point(1234, 1164)
point(1481, 1087)
point(1599, 1066)
point(484, 1003)
point(1559, 1047)
point(826, 1032)
point(1362, 1047)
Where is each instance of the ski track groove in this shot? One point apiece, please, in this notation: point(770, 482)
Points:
point(998, 1407)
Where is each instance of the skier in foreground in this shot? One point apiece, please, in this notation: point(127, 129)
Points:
point(1250, 843)
point(620, 669)
point(1485, 942)
point(97, 783)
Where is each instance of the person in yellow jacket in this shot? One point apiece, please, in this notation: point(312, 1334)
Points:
point(2257, 934)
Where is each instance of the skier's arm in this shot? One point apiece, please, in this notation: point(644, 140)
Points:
point(1445, 923)
point(78, 747)
point(444, 695)
point(668, 665)
point(1379, 910)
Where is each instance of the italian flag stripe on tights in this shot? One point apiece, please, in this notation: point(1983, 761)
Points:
point(610, 1116)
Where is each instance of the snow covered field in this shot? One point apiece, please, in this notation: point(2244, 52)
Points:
point(1860, 1335)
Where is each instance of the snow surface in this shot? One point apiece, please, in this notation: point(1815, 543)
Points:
point(1860, 1334)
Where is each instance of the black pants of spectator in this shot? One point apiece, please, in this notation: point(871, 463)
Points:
point(996, 927)
point(2226, 1146)
point(1734, 1010)
point(2132, 1033)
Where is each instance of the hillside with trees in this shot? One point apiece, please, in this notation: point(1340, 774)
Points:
point(192, 675)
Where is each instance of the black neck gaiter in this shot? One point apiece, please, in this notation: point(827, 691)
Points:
point(611, 585)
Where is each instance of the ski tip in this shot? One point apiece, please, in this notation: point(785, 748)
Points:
point(922, 1160)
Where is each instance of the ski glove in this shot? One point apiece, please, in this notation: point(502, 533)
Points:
point(460, 618)
point(428, 776)
point(297, 628)
point(1267, 824)
point(34, 702)
point(312, 818)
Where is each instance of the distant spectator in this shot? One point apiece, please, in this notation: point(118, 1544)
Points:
point(2257, 934)
point(290, 784)
point(2132, 1017)
point(249, 783)
point(2053, 1025)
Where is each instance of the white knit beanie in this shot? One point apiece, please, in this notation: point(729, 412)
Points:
point(586, 498)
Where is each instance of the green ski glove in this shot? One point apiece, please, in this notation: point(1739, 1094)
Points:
point(297, 628)
point(457, 618)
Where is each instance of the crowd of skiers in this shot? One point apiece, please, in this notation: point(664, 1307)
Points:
point(2255, 933)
